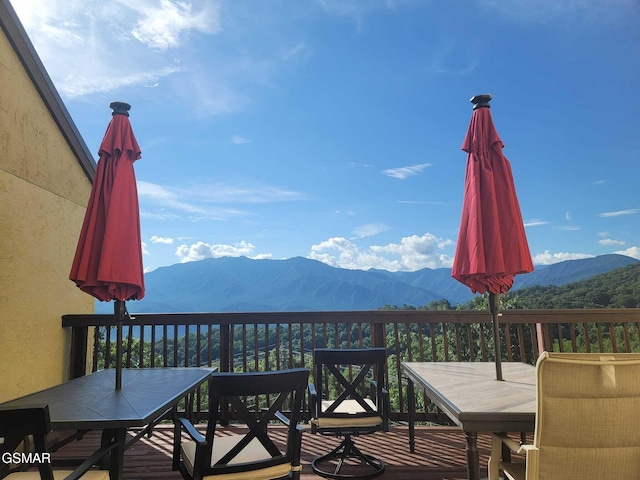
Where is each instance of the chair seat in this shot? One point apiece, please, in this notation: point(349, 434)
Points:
point(254, 451)
point(348, 411)
point(59, 475)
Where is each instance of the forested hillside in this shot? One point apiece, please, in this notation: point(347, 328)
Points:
point(619, 288)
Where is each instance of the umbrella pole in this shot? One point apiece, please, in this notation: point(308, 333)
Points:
point(119, 311)
point(496, 334)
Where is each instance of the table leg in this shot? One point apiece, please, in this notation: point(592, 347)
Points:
point(473, 457)
point(411, 400)
point(116, 461)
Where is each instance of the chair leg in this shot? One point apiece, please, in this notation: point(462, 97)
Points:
point(494, 458)
point(331, 465)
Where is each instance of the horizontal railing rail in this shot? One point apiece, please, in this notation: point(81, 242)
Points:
point(278, 340)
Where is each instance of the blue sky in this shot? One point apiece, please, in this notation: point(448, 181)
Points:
point(332, 129)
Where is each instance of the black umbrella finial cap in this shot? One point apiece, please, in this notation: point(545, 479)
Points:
point(120, 108)
point(481, 101)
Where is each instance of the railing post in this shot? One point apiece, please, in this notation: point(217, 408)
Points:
point(378, 339)
point(78, 357)
point(225, 366)
point(225, 348)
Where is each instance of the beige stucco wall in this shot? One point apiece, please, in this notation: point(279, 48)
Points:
point(43, 195)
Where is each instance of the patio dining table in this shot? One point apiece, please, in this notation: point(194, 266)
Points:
point(469, 395)
point(92, 402)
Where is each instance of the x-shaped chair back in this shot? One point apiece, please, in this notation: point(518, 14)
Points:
point(256, 450)
point(350, 372)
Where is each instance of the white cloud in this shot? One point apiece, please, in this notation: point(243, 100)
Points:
point(163, 240)
point(238, 140)
point(93, 46)
point(633, 252)
point(370, 230)
point(161, 25)
point(412, 253)
point(202, 250)
point(534, 222)
point(609, 241)
point(630, 211)
point(548, 258)
point(404, 172)
point(144, 248)
point(567, 216)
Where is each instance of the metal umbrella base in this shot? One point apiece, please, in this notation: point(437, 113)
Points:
point(347, 461)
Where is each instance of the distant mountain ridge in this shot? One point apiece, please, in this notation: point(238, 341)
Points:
point(239, 284)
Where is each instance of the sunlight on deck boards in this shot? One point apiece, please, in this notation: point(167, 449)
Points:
point(440, 453)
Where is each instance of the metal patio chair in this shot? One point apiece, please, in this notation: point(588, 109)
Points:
point(348, 398)
point(253, 455)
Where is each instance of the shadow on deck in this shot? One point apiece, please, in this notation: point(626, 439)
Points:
point(440, 453)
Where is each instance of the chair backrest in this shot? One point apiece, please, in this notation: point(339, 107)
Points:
point(279, 390)
point(588, 416)
point(18, 423)
point(350, 384)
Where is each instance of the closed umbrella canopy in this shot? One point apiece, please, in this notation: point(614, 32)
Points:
point(108, 259)
point(492, 245)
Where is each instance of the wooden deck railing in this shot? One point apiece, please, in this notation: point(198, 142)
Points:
point(280, 340)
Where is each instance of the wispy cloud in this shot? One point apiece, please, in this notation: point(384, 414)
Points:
point(116, 44)
point(207, 201)
point(422, 202)
point(619, 213)
point(370, 230)
point(578, 12)
point(609, 241)
point(452, 58)
point(238, 140)
point(299, 51)
point(405, 172)
point(161, 25)
point(534, 222)
point(548, 258)
point(569, 228)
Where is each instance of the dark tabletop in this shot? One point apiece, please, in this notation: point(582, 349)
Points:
point(92, 401)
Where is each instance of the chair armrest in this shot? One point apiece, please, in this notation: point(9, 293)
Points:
point(508, 442)
point(191, 430)
point(383, 403)
point(92, 460)
point(496, 462)
point(313, 401)
point(282, 417)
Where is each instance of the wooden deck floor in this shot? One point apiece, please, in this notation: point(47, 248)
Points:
point(440, 453)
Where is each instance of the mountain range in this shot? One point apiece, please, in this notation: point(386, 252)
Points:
point(240, 284)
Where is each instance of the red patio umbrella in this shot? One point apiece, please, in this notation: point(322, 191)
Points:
point(108, 259)
point(492, 246)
